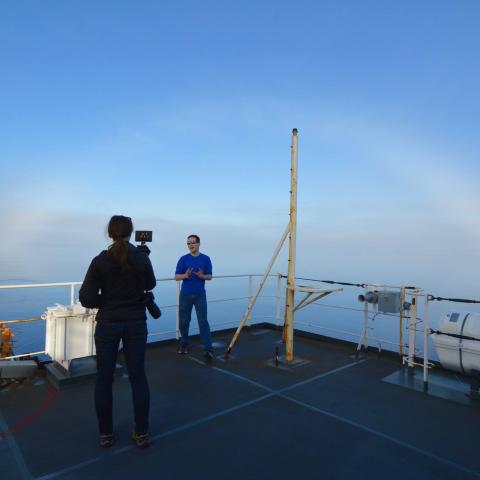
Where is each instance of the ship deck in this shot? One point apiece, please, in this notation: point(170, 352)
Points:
point(327, 415)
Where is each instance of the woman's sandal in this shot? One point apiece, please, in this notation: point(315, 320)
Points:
point(107, 440)
point(141, 441)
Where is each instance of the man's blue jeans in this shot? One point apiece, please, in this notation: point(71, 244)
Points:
point(187, 302)
point(134, 339)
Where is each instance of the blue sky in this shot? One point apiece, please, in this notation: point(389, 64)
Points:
point(179, 114)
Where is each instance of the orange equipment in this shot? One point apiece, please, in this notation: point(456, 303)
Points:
point(6, 341)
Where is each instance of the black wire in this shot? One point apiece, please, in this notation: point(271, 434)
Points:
point(458, 300)
point(363, 285)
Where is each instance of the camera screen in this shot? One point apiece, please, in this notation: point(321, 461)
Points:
point(143, 236)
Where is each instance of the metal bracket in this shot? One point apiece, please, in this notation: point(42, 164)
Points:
point(310, 292)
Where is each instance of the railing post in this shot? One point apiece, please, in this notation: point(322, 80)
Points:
point(279, 298)
point(72, 294)
point(64, 356)
point(365, 322)
point(426, 332)
point(401, 339)
point(412, 327)
point(177, 325)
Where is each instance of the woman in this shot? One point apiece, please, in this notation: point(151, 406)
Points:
point(117, 283)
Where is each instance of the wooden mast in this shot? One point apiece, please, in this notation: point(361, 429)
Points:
point(290, 290)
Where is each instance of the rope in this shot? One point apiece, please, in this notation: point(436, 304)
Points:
point(459, 300)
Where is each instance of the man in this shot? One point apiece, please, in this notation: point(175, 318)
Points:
point(193, 269)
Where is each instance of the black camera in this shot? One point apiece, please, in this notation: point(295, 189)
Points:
point(143, 236)
point(152, 307)
point(146, 236)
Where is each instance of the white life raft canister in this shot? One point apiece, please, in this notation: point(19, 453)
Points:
point(457, 342)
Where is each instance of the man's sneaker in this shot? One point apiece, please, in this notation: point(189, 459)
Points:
point(208, 355)
point(182, 350)
point(141, 441)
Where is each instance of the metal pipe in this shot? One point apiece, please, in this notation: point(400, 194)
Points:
point(219, 300)
point(430, 365)
point(278, 299)
point(177, 318)
point(411, 332)
point(365, 323)
point(316, 296)
point(426, 332)
point(12, 357)
point(35, 285)
point(400, 341)
point(243, 275)
point(166, 279)
point(65, 328)
point(379, 285)
point(25, 320)
point(162, 279)
point(259, 289)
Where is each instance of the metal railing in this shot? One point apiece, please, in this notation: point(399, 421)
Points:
point(278, 297)
point(215, 326)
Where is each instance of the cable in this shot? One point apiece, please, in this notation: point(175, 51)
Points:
point(459, 300)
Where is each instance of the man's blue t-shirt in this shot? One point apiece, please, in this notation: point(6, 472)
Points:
point(194, 284)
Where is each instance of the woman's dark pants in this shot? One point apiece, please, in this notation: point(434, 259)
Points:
point(134, 340)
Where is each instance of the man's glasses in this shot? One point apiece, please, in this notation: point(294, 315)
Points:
point(192, 243)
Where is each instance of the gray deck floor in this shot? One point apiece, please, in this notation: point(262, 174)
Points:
point(329, 417)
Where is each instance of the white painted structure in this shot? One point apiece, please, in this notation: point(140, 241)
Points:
point(457, 342)
point(69, 333)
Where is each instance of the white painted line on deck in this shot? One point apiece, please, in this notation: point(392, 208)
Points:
point(17, 454)
point(290, 387)
point(168, 433)
point(244, 379)
point(377, 433)
point(271, 393)
point(321, 375)
point(280, 393)
point(196, 360)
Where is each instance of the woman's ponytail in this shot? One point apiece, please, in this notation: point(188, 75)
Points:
point(120, 229)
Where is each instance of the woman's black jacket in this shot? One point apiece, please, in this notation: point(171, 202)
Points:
point(119, 295)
